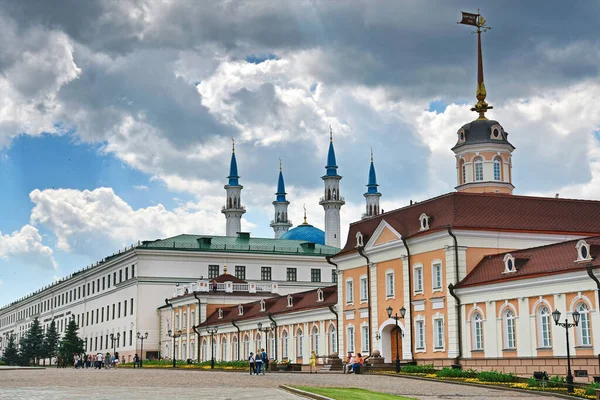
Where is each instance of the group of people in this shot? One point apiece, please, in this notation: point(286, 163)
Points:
point(258, 362)
point(98, 361)
point(353, 363)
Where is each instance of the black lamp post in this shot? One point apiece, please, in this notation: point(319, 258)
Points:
point(174, 335)
point(265, 330)
point(115, 339)
point(142, 338)
point(396, 317)
point(567, 325)
point(211, 331)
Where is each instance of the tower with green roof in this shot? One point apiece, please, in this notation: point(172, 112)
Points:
point(233, 208)
point(280, 223)
point(332, 202)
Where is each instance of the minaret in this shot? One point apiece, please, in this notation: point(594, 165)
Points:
point(280, 224)
point(483, 152)
point(233, 208)
point(372, 196)
point(332, 202)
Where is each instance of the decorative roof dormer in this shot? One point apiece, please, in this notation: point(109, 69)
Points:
point(240, 310)
point(583, 251)
point(220, 313)
point(424, 222)
point(263, 306)
point(290, 300)
point(359, 239)
point(320, 296)
point(509, 264)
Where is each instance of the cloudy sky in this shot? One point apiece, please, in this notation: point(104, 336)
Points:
point(116, 117)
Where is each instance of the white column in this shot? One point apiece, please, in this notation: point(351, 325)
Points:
point(407, 351)
point(374, 316)
point(559, 343)
point(451, 311)
point(525, 330)
point(341, 317)
point(492, 337)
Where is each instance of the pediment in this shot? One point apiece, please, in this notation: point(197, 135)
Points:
point(384, 234)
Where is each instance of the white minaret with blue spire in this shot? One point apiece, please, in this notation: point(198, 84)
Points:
point(332, 202)
point(280, 224)
point(372, 196)
point(233, 208)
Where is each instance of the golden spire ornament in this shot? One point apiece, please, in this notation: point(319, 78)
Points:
point(330, 134)
point(233, 145)
point(304, 206)
point(477, 20)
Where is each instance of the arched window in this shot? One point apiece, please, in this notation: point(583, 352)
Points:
point(234, 343)
point(332, 340)
point(184, 352)
point(477, 331)
point(271, 346)
point(509, 329)
point(585, 337)
point(315, 339)
point(246, 346)
point(544, 327)
point(299, 343)
point(497, 165)
point(334, 194)
point(192, 352)
point(258, 340)
point(463, 172)
point(478, 166)
point(284, 340)
point(167, 350)
point(204, 350)
point(224, 355)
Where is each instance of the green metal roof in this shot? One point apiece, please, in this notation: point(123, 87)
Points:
point(242, 243)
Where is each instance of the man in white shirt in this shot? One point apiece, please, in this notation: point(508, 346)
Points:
point(99, 361)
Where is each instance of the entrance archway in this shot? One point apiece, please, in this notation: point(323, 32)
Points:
point(387, 343)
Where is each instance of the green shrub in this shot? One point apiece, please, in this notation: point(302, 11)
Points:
point(532, 382)
point(495, 376)
point(590, 390)
point(456, 373)
point(419, 369)
point(556, 382)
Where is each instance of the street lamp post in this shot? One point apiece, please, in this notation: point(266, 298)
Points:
point(211, 331)
point(142, 338)
point(174, 335)
point(266, 330)
point(567, 325)
point(115, 339)
point(396, 317)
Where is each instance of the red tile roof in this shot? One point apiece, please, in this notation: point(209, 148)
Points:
point(228, 278)
point(275, 305)
point(533, 262)
point(491, 211)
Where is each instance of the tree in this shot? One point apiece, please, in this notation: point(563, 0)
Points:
point(70, 344)
point(11, 355)
point(50, 347)
point(33, 343)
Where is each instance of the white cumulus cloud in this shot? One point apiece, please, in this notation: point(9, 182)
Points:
point(26, 246)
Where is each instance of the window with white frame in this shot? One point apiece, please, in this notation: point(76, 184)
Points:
point(364, 338)
point(349, 291)
point(497, 175)
point(389, 284)
point(262, 305)
point(478, 165)
point(418, 278)
point(234, 343)
point(583, 330)
point(477, 331)
point(285, 344)
point(184, 351)
point(315, 339)
point(509, 329)
point(438, 326)
point(320, 295)
point(463, 168)
point(290, 301)
point(272, 345)
point(509, 264)
point(204, 350)
point(420, 334)
point(350, 341)
point(544, 327)
point(359, 239)
point(246, 345)
point(583, 251)
point(184, 320)
point(300, 343)
point(240, 309)
point(220, 313)
point(363, 289)
point(177, 321)
point(332, 339)
point(436, 275)
point(224, 349)
point(192, 352)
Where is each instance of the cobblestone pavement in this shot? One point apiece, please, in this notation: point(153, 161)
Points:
point(54, 384)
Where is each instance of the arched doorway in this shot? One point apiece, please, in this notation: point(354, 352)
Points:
point(387, 343)
point(395, 346)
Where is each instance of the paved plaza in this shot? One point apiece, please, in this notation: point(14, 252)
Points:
point(54, 384)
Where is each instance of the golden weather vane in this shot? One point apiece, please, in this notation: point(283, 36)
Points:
point(304, 206)
point(477, 20)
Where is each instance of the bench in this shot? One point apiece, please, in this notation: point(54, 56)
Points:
point(541, 377)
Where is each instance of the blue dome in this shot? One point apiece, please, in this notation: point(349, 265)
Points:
point(306, 233)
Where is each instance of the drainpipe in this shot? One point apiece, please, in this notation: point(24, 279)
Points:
point(239, 338)
point(410, 295)
point(451, 288)
point(337, 318)
point(275, 322)
point(361, 252)
point(195, 328)
point(337, 329)
point(199, 322)
point(590, 272)
point(172, 322)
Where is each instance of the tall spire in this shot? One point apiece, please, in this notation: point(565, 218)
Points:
point(331, 163)
point(280, 224)
point(233, 170)
point(233, 208)
point(280, 184)
point(372, 196)
point(332, 202)
point(304, 223)
point(477, 20)
point(372, 185)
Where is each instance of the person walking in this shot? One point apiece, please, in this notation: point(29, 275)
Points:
point(313, 362)
point(251, 362)
point(99, 362)
point(136, 361)
point(265, 358)
point(258, 361)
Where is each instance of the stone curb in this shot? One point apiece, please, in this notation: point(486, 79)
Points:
point(303, 393)
point(11, 368)
point(535, 392)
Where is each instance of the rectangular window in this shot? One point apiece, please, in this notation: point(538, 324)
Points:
point(113, 312)
point(93, 287)
point(439, 333)
point(115, 278)
point(108, 281)
point(78, 294)
point(133, 271)
point(120, 275)
point(333, 276)
point(420, 333)
point(130, 337)
point(213, 271)
point(315, 275)
point(363, 289)
point(418, 279)
point(436, 276)
point(291, 274)
point(350, 343)
point(184, 320)
point(349, 292)
point(389, 285)
point(124, 336)
point(96, 343)
point(102, 315)
point(126, 273)
point(240, 272)
point(119, 310)
point(88, 290)
point(87, 318)
point(265, 273)
point(97, 315)
point(496, 170)
point(478, 170)
point(364, 333)
point(177, 321)
point(125, 308)
point(131, 306)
